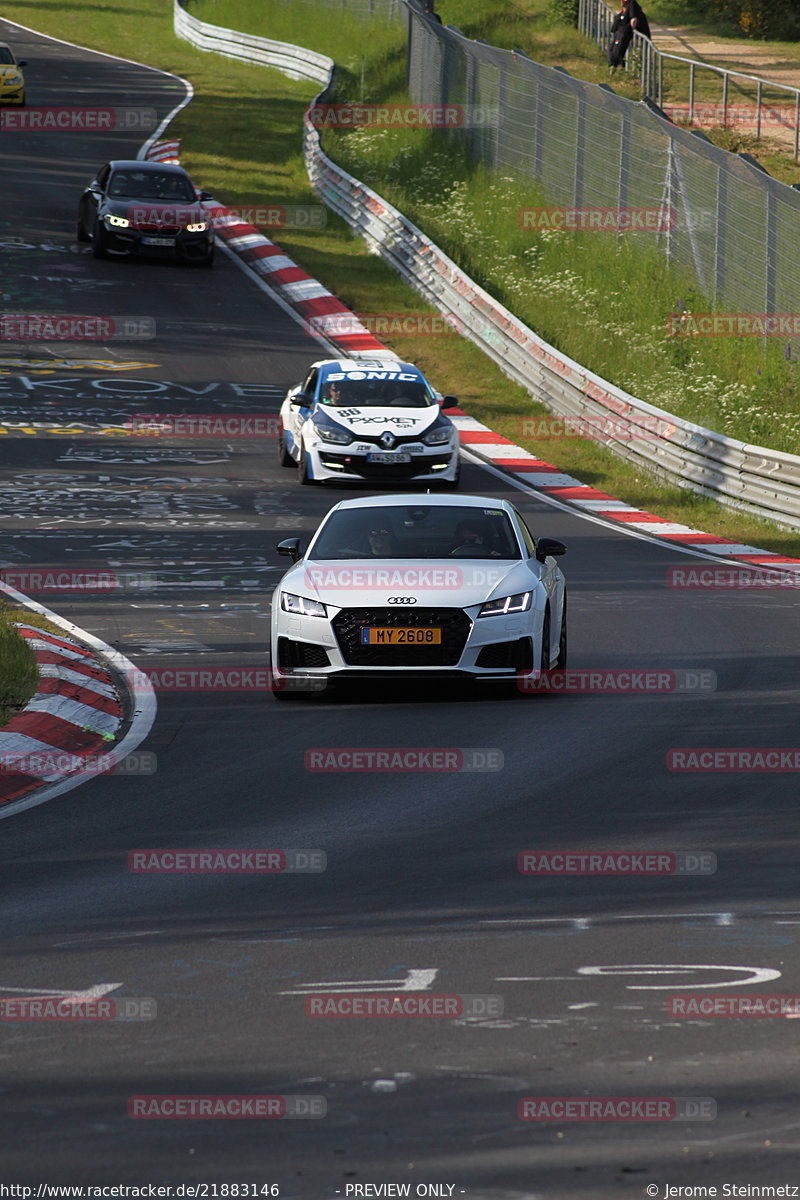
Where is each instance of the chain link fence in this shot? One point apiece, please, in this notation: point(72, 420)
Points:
point(728, 222)
point(736, 98)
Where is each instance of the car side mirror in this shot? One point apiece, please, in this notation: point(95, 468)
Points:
point(300, 399)
point(290, 548)
point(549, 548)
point(449, 401)
point(205, 196)
point(22, 62)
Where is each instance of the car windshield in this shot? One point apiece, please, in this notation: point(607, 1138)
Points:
point(151, 185)
point(6, 57)
point(416, 531)
point(375, 393)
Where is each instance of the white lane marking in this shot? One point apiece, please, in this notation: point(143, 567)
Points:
point(416, 981)
point(583, 922)
point(753, 975)
point(92, 993)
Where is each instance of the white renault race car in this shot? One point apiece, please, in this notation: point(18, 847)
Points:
point(421, 586)
point(368, 420)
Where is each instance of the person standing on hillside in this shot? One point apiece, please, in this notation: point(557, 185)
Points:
point(631, 18)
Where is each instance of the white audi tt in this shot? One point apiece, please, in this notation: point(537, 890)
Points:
point(418, 585)
point(370, 420)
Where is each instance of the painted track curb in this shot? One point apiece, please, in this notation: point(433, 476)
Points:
point(67, 725)
point(318, 306)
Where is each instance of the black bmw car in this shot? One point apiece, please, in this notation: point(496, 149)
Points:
point(146, 208)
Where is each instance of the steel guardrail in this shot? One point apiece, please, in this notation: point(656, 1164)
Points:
point(752, 478)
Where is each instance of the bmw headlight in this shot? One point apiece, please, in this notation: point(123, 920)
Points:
point(302, 606)
point(438, 435)
point(518, 603)
point(332, 433)
point(120, 222)
point(198, 227)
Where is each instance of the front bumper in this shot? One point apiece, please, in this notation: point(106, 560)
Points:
point(330, 461)
point(13, 95)
point(480, 648)
point(190, 247)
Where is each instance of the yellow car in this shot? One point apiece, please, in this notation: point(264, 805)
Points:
point(12, 84)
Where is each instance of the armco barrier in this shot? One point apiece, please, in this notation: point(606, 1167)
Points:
point(754, 479)
point(293, 61)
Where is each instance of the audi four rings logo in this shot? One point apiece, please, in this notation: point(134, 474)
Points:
point(402, 599)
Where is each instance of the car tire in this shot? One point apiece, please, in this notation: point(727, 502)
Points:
point(561, 661)
point(208, 261)
point(305, 476)
point(81, 234)
point(99, 247)
point(284, 457)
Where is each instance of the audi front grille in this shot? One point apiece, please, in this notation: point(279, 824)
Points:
point(453, 622)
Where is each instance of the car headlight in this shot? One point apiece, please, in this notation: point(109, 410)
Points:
point(437, 436)
point(198, 227)
point(302, 606)
point(518, 603)
point(12, 80)
point(120, 222)
point(329, 433)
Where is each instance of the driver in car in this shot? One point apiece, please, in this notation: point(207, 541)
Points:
point(471, 541)
point(334, 393)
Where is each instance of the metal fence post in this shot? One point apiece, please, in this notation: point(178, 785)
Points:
point(624, 167)
point(580, 150)
point(758, 112)
point(720, 240)
point(770, 250)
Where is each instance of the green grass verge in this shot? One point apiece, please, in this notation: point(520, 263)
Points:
point(241, 140)
point(19, 672)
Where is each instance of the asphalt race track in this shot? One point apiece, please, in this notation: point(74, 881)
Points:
point(421, 894)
